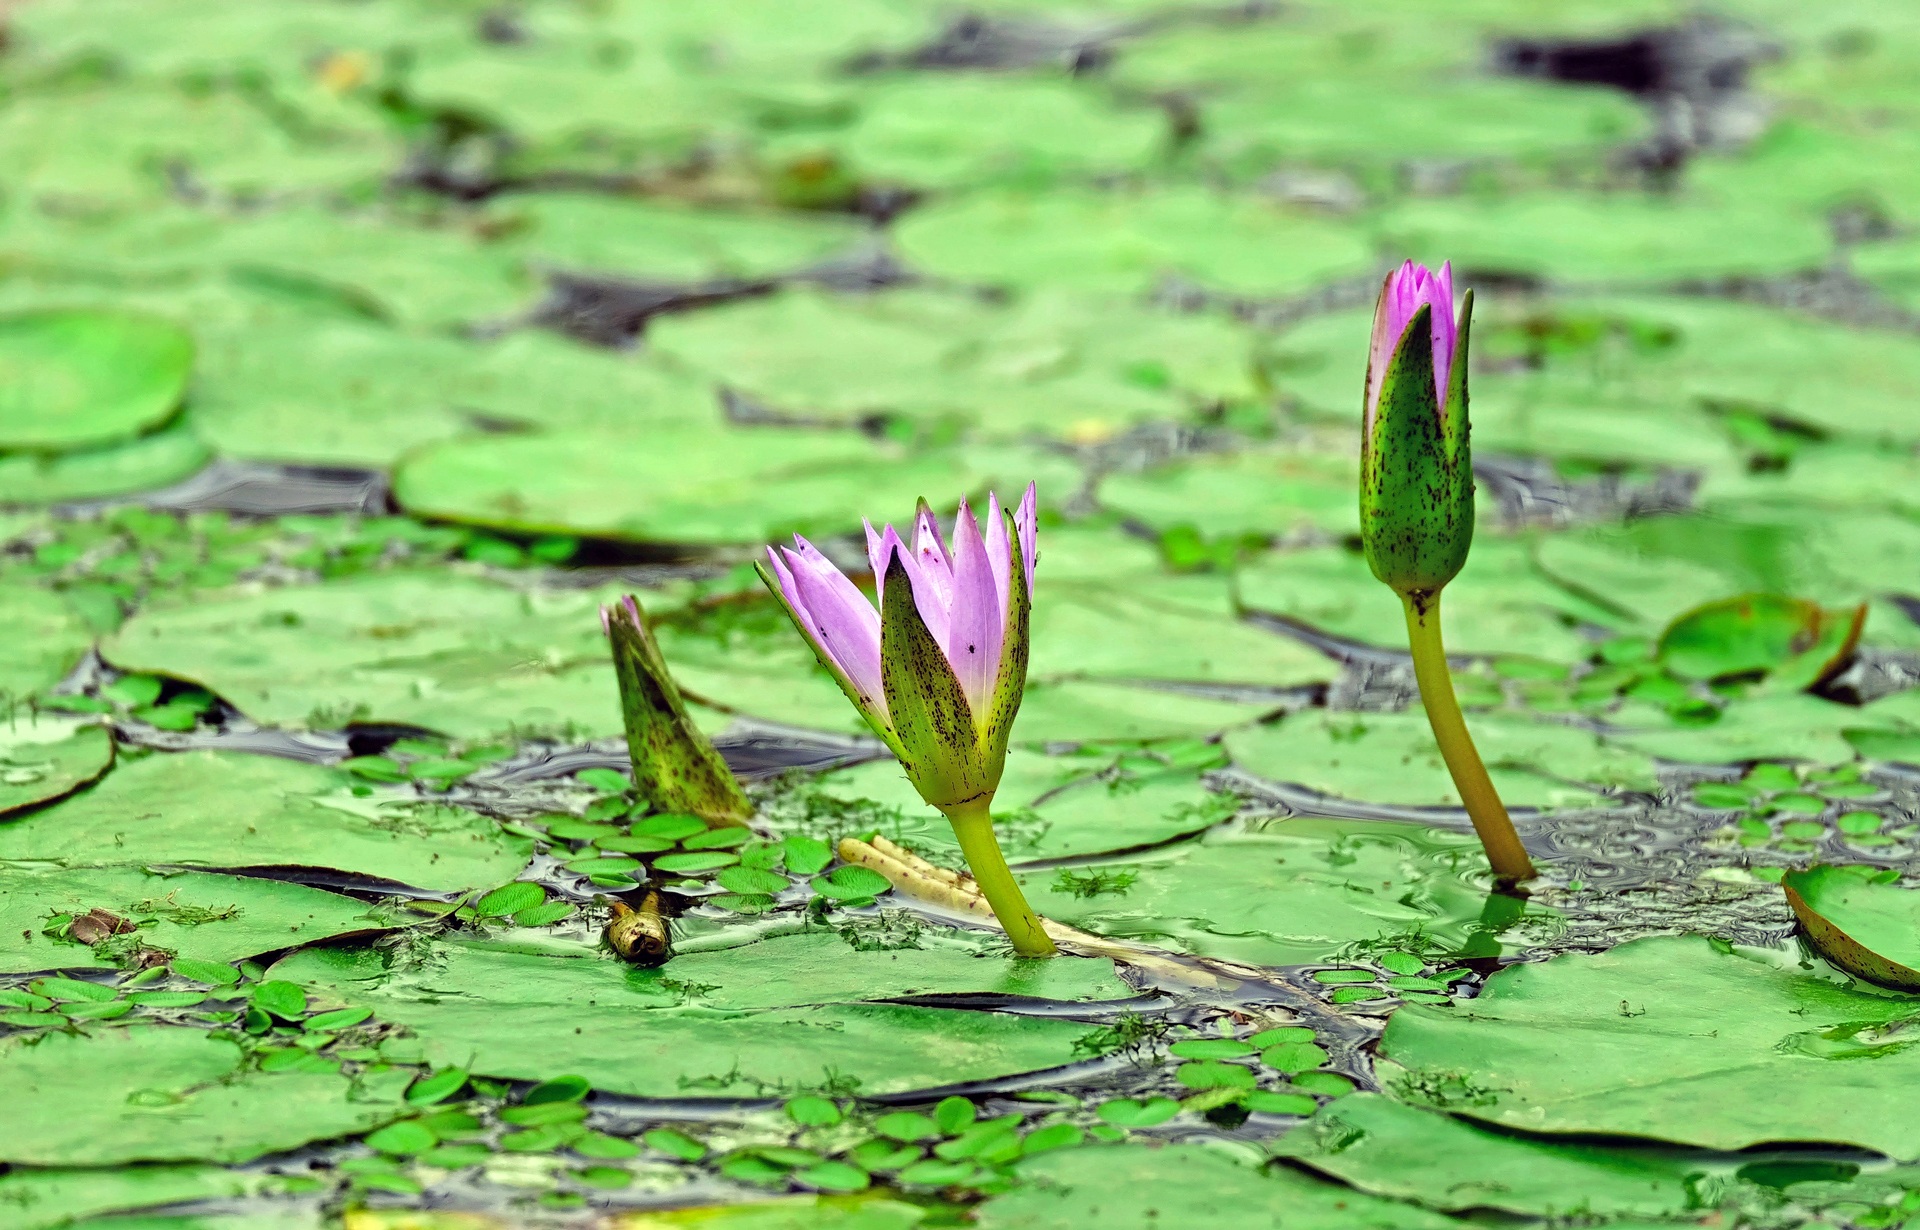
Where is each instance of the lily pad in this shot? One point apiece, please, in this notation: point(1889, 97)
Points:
point(1295, 893)
point(44, 1199)
point(459, 655)
point(154, 460)
point(1869, 928)
point(1797, 642)
point(1064, 365)
point(1392, 758)
point(81, 378)
point(44, 757)
point(1392, 1149)
point(523, 1015)
point(165, 1093)
point(694, 485)
point(1679, 1040)
point(190, 914)
point(1138, 1186)
point(225, 809)
point(1124, 242)
point(1048, 806)
point(48, 638)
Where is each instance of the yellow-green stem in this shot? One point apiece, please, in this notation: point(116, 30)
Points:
point(973, 825)
point(1490, 820)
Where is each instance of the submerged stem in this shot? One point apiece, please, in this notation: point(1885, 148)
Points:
point(973, 825)
point(1489, 815)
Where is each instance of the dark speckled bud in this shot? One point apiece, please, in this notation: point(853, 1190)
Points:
point(1416, 470)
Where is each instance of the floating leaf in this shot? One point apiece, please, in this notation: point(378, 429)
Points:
point(1797, 642)
point(1861, 920)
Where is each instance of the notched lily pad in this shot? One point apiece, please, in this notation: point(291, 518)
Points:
point(1860, 919)
point(44, 757)
point(73, 378)
point(1794, 642)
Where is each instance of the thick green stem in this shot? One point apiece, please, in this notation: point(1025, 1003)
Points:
point(1490, 820)
point(973, 825)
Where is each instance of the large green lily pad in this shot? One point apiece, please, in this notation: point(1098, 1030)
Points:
point(188, 913)
point(1294, 893)
point(225, 809)
point(145, 463)
point(1050, 806)
point(1392, 1149)
point(693, 485)
point(77, 378)
point(1141, 1186)
point(1392, 758)
point(677, 1032)
point(44, 757)
point(1124, 242)
point(163, 1093)
point(1063, 365)
point(460, 655)
point(1500, 603)
point(1678, 1039)
point(43, 1199)
point(48, 637)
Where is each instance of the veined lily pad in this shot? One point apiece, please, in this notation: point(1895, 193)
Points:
point(1392, 1149)
point(1796, 642)
point(460, 655)
point(48, 638)
point(44, 757)
point(155, 460)
point(694, 485)
point(161, 1093)
point(1295, 893)
point(190, 914)
point(524, 1015)
point(1678, 1040)
point(43, 1199)
point(1865, 926)
point(71, 379)
point(1140, 1186)
point(228, 809)
point(1124, 242)
point(1392, 758)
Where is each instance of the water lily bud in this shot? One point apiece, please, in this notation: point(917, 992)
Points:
point(675, 765)
point(939, 669)
point(1416, 470)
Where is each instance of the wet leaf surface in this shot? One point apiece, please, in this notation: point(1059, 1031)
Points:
point(1860, 919)
point(1679, 1041)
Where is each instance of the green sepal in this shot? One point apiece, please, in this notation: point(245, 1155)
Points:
point(939, 746)
point(874, 720)
point(1011, 682)
point(675, 765)
point(1416, 473)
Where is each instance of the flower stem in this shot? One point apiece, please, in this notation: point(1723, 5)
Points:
point(1490, 820)
point(973, 825)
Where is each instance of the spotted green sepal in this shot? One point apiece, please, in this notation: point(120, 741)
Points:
point(675, 765)
point(932, 722)
point(1011, 682)
point(1416, 470)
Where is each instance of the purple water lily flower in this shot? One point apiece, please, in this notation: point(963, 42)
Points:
point(939, 668)
point(1409, 288)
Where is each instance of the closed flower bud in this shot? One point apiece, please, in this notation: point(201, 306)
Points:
point(1416, 470)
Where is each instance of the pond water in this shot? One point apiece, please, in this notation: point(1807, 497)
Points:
point(353, 353)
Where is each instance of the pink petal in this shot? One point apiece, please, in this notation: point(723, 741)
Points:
point(973, 641)
point(839, 619)
point(1408, 288)
point(1000, 555)
point(1026, 523)
point(935, 564)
